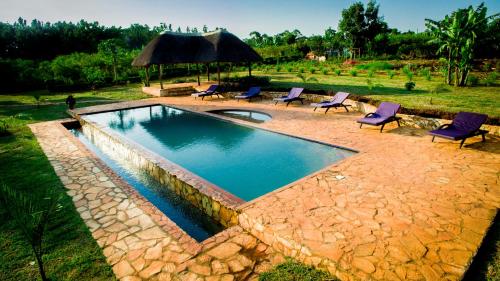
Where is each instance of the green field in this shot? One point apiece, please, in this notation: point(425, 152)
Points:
point(71, 252)
point(447, 98)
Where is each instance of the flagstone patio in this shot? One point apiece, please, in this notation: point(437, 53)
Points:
point(402, 208)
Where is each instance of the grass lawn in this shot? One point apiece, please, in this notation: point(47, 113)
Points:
point(448, 98)
point(71, 252)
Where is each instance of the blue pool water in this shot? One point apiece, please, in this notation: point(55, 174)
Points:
point(247, 162)
point(190, 219)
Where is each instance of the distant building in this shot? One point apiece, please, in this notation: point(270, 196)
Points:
point(313, 56)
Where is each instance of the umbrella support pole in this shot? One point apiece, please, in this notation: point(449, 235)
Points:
point(249, 69)
point(218, 72)
point(147, 77)
point(198, 73)
point(160, 76)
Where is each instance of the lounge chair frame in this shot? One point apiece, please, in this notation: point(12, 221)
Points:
point(478, 132)
point(334, 106)
point(388, 120)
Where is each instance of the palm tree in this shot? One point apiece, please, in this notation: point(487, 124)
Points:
point(31, 216)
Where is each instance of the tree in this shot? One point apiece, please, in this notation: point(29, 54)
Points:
point(353, 25)
point(360, 26)
point(31, 215)
point(456, 35)
point(111, 49)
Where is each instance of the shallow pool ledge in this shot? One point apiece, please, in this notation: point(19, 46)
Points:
point(215, 202)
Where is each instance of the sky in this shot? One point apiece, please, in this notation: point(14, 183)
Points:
point(239, 16)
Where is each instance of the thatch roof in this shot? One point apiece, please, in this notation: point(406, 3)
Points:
point(217, 46)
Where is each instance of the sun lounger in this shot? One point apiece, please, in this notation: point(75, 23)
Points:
point(336, 101)
point(463, 126)
point(211, 91)
point(384, 114)
point(253, 92)
point(293, 95)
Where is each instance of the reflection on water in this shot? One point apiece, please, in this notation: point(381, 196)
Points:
point(122, 123)
point(247, 115)
point(246, 162)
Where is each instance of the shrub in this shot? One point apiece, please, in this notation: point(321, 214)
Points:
point(4, 127)
point(289, 69)
point(472, 80)
point(486, 67)
point(278, 68)
point(312, 70)
point(438, 89)
point(324, 71)
point(409, 85)
point(292, 270)
point(338, 72)
point(301, 77)
point(491, 79)
point(370, 73)
point(371, 85)
point(391, 74)
point(301, 70)
point(353, 73)
point(185, 80)
point(376, 65)
point(237, 83)
point(407, 71)
point(426, 73)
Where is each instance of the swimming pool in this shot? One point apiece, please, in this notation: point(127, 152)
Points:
point(244, 161)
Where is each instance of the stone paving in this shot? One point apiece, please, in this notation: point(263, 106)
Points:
point(402, 208)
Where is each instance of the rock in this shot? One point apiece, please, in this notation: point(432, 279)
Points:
point(224, 250)
point(219, 267)
point(235, 266)
point(154, 253)
point(151, 270)
point(151, 233)
point(364, 250)
point(413, 247)
point(123, 269)
point(363, 265)
point(200, 269)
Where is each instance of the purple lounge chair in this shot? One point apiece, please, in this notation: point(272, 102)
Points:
point(385, 113)
point(336, 101)
point(463, 126)
point(293, 95)
point(253, 92)
point(211, 91)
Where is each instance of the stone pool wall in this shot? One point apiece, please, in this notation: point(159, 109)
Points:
point(211, 201)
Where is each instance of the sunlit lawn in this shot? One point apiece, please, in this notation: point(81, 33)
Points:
point(450, 99)
point(71, 252)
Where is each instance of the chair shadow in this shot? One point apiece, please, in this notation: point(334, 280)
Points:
point(408, 131)
point(491, 145)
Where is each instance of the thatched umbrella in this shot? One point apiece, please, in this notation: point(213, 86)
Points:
point(217, 46)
